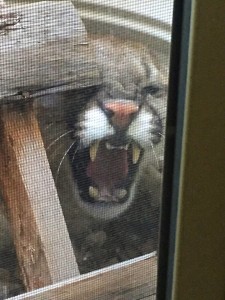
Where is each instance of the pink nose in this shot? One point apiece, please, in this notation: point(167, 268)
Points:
point(122, 112)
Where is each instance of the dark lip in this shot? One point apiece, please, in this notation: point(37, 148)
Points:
point(118, 139)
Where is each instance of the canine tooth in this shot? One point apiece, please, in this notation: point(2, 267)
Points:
point(135, 153)
point(93, 192)
point(93, 150)
point(121, 193)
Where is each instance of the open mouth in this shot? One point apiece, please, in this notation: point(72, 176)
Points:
point(105, 172)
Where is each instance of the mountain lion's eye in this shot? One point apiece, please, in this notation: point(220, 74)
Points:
point(153, 90)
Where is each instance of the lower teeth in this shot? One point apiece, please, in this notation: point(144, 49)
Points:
point(93, 192)
point(120, 193)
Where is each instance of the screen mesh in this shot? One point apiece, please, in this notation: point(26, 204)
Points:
point(83, 110)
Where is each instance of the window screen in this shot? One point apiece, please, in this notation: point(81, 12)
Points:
point(83, 93)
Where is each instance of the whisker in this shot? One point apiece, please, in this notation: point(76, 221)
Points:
point(65, 154)
point(48, 126)
point(162, 135)
point(156, 158)
point(54, 152)
point(75, 153)
point(56, 140)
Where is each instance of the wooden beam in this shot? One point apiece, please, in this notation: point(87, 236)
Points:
point(134, 279)
point(43, 247)
point(43, 50)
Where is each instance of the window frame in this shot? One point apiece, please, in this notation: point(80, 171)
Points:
point(194, 245)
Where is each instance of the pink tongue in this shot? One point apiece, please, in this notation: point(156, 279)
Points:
point(109, 168)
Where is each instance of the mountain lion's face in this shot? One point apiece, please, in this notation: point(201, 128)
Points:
point(116, 129)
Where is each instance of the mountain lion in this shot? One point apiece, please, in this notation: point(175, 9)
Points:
point(107, 153)
point(117, 133)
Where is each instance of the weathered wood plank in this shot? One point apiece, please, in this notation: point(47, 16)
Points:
point(40, 235)
point(135, 279)
point(44, 52)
